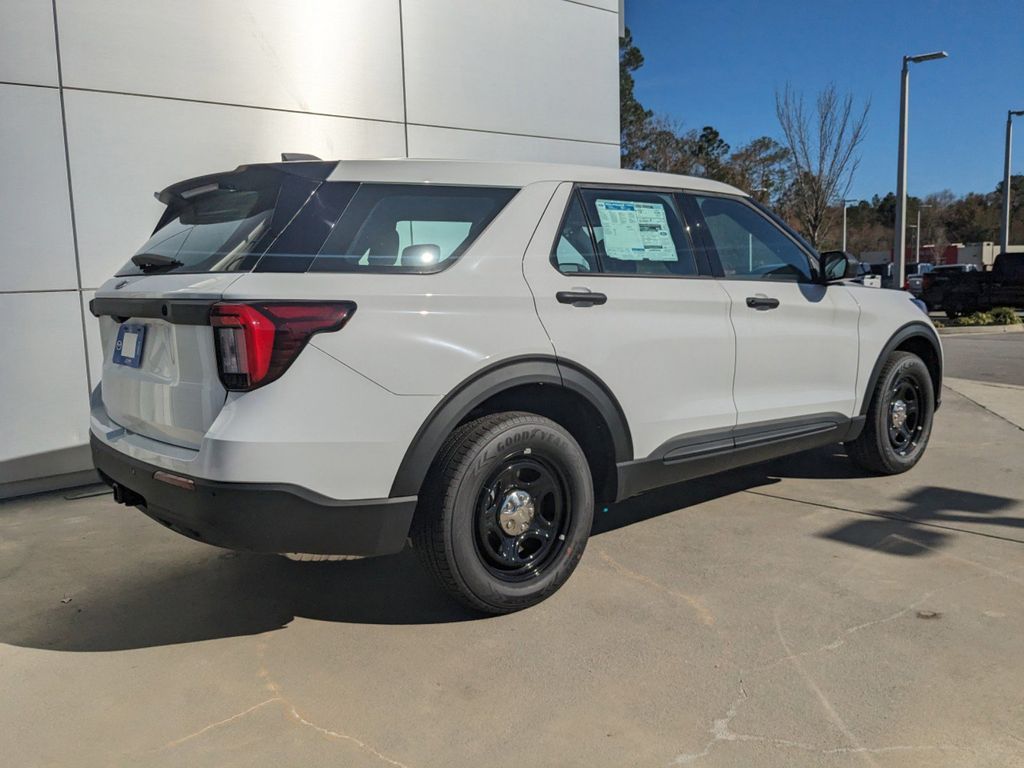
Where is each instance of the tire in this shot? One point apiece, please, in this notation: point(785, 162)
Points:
point(904, 387)
point(476, 488)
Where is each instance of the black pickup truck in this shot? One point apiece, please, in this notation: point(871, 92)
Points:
point(1002, 286)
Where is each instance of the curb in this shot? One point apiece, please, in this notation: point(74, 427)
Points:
point(981, 329)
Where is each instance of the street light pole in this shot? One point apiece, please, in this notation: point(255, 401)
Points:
point(844, 202)
point(917, 240)
point(844, 226)
point(900, 240)
point(1004, 224)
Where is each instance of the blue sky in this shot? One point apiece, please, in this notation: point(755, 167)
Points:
point(718, 63)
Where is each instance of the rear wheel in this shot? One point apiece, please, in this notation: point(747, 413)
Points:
point(506, 512)
point(899, 418)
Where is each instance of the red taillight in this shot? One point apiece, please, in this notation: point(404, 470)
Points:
point(256, 342)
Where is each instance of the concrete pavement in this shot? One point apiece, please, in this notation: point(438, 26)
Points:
point(792, 614)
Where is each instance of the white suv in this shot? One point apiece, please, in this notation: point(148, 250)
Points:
point(330, 358)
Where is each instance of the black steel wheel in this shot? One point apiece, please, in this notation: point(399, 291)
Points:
point(898, 422)
point(505, 512)
point(906, 422)
point(522, 516)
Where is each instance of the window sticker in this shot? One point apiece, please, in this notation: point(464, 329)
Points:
point(636, 231)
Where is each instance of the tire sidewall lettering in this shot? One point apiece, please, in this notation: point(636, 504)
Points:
point(516, 442)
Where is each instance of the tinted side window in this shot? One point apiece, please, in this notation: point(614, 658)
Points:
point(639, 233)
point(750, 246)
point(408, 227)
point(574, 249)
point(296, 247)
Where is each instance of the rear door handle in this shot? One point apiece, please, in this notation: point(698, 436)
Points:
point(762, 302)
point(581, 298)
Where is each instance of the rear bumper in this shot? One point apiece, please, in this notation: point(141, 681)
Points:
point(258, 517)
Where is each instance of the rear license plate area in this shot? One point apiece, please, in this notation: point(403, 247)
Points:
point(129, 344)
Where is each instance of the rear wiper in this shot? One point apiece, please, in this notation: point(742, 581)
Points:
point(152, 262)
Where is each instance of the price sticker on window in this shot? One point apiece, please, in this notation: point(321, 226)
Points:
point(636, 231)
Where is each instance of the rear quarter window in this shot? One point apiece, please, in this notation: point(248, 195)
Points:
point(408, 227)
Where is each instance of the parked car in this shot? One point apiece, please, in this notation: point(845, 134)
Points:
point(861, 270)
point(913, 276)
point(328, 358)
point(976, 291)
point(886, 272)
point(932, 285)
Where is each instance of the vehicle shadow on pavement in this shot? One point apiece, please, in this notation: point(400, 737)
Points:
point(927, 518)
point(167, 591)
point(912, 525)
point(212, 594)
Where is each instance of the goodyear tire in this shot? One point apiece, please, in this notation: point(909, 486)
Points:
point(899, 418)
point(506, 512)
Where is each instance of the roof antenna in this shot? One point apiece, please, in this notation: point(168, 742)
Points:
point(288, 157)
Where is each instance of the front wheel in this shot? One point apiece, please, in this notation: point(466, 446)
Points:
point(506, 512)
point(899, 417)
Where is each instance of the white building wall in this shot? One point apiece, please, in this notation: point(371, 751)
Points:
point(102, 102)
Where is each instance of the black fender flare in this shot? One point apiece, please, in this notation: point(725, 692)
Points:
point(493, 380)
point(911, 330)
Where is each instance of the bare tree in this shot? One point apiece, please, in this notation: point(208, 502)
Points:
point(823, 148)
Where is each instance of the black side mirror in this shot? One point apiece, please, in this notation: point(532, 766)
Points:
point(837, 265)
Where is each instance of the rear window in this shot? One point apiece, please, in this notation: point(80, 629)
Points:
point(274, 222)
point(222, 224)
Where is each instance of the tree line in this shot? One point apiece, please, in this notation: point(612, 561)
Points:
point(806, 171)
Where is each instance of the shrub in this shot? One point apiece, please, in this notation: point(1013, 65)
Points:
point(1004, 316)
point(978, 318)
point(997, 316)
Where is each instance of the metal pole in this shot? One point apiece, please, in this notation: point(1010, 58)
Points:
point(899, 244)
point(1004, 228)
point(844, 226)
point(917, 238)
point(900, 239)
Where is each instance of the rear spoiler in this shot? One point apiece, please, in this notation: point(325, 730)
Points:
point(305, 166)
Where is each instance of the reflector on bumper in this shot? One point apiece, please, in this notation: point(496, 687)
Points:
point(175, 480)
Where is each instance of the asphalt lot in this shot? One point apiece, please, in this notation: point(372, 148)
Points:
point(997, 358)
point(792, 614)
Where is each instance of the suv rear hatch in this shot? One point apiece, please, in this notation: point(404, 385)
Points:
point(160, 376)
point(159, 365)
